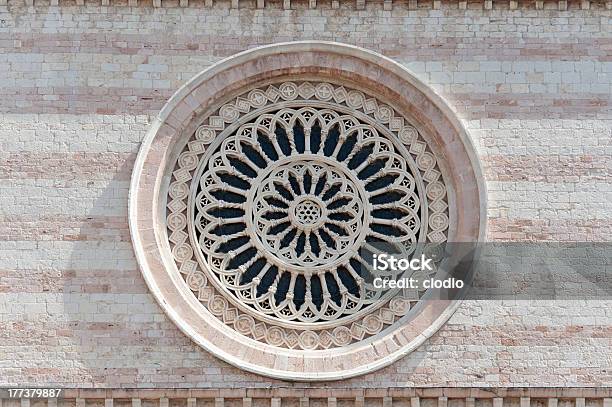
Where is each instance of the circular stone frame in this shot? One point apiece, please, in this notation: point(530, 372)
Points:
point(333, 62)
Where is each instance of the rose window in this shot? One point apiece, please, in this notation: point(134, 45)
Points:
point(279, 201)
point(264, 188)
point(288, 204)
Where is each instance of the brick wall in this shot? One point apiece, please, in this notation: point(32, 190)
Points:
point(79, 86)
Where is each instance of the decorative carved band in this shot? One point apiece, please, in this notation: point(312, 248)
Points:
point(304, 397)
point(561, 5)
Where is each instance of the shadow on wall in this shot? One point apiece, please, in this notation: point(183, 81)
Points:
point(115, 334)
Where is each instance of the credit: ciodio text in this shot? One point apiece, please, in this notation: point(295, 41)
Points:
point(409, 282)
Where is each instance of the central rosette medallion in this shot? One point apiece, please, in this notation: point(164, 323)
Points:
point(308, 213)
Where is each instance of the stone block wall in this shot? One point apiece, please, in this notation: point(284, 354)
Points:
point(79, 85)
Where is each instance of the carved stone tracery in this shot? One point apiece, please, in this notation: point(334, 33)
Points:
point(274, 199)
